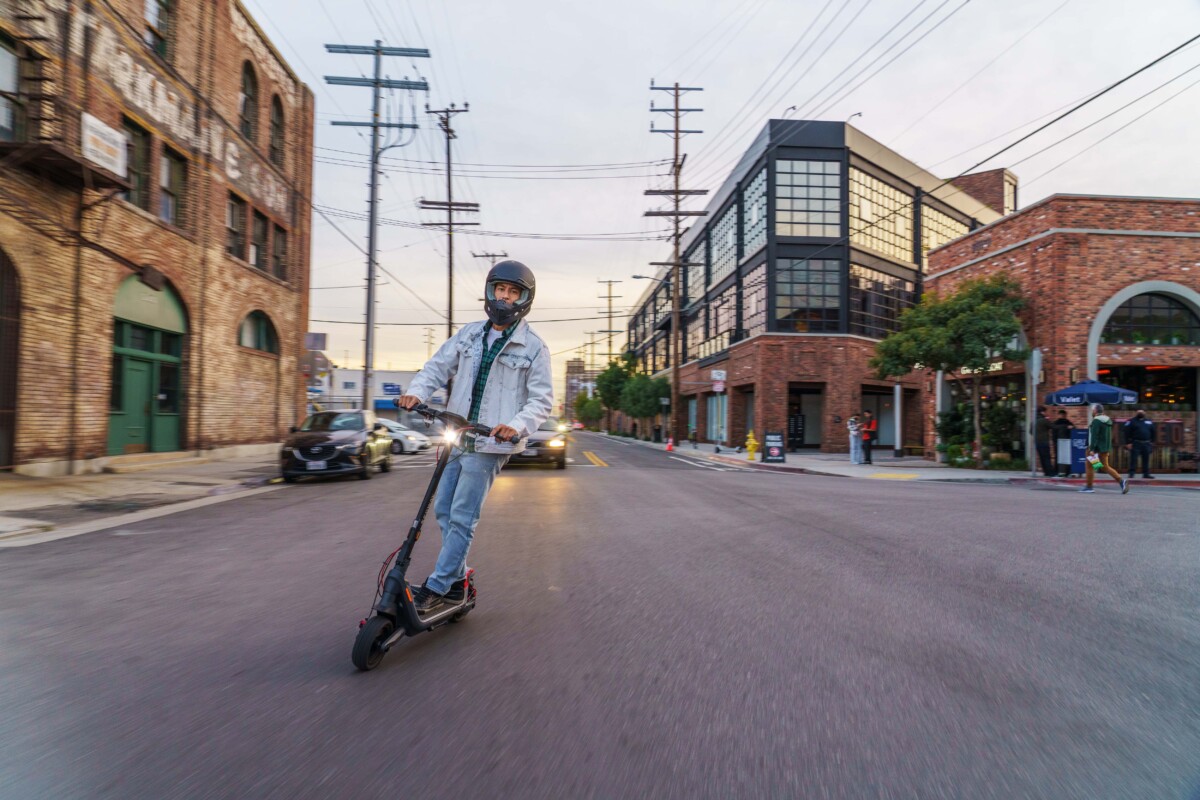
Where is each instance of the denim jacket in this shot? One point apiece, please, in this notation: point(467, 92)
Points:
point(519, 391)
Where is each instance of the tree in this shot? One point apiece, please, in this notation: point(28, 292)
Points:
point(961, 334)
point(590, 410)
point(611, 382)
point(642, 396)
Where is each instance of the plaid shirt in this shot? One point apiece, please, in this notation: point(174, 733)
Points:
point(485, 369)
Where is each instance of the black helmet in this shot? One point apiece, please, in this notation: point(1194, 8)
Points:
point(501, 312)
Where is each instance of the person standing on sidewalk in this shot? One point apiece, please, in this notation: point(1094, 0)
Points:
point(1043, 438)
point(869, 428)
point(1100, 442)
point(1062, 430)
point(1139, 438)
point(856, 448)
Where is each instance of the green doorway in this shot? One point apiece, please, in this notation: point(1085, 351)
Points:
point(145, 394)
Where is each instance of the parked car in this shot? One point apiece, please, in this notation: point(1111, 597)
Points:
point(546, 445)
point(351, 442)
point(404, 439)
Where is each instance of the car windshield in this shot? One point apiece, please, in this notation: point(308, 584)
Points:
point(549, 425)
point(333, 421)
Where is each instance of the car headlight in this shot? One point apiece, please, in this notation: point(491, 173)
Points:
point(562, 428)
point(411, 438)
point(557, 443)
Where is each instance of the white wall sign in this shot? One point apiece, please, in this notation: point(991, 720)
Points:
point(104, 146)
point(717, 374)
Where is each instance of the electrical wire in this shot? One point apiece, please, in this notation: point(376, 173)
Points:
point(427, 324)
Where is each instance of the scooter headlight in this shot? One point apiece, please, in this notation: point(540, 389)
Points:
point(450, 436)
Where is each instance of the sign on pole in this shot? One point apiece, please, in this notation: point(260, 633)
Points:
point(314, 341)
point(773, 448)
point(718, 386)
point(393, 389)
point(717, 374)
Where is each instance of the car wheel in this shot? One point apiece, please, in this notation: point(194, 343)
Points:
point(561, 464)
point(365, 475)
point(397, 447)
point(289, 478)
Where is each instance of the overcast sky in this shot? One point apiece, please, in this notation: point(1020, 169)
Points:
point(563, 83)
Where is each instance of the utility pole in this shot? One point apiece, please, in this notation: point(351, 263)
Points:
point(444, 115)
point(492, 257)
point(428, 343)
point(378, 83)
point(677, 193)
point(610, 330)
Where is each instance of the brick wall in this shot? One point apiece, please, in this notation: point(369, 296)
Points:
point(189, 103)
point(986, 187)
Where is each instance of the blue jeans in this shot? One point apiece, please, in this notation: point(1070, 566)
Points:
point(856, 451)
point(464, 487)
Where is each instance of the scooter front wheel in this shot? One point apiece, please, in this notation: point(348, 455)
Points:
point(368, 645)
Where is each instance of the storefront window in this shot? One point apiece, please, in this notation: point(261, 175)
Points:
point(1152, 319)
point(807, 295)
point(716, 418)
point(808, 198)
point(1159, 388)
point(877, 300)
point(880, 216)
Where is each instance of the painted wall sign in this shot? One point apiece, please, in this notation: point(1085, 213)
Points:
point(104, 146)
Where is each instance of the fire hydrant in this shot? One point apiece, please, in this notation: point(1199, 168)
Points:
point(751, 446)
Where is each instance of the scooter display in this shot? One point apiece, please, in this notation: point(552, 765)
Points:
point(395, 615)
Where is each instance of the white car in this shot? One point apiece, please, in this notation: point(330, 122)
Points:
point(405, 439)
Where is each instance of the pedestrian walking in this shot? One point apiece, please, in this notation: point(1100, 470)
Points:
point(1099, 449)
point(869, 428)
point(1043, 439)
point(1062, 430)
point(856, 446)
point(1139, 438)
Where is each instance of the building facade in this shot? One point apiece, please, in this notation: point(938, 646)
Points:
point(579, 380)
point(1112, 286)
point(809, 251)
point(155, 175)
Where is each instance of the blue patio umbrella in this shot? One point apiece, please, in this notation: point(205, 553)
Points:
point(1088, 392)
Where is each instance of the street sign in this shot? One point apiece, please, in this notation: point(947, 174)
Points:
point(717, 374)
point(718, 386)
point(393, 388)
point(314, 341)
point(773, 449)
point(664, 401)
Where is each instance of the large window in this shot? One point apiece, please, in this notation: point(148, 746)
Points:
point(876, 301)
point(258, 333)
point(1154, 319)
point(158, 25)
point(248, 103)
point(695, 335)
point(808, 198)
point(807, 295)
point(754, 301)
point(716, 417)
point(235, 227)
point(696, 275)
point(880, 216)
point(938, 228)
point(11, 111)
point(137, 143)
point(258, 241)
point(722, 319)
point(276, 147)
point(754, 214)
point(1159, 388)
point(279, 253)
point(724, 245)
point(172, 186)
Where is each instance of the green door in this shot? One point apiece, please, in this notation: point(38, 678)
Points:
point(129, 422)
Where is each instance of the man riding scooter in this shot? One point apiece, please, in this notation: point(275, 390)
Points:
point(501, 378)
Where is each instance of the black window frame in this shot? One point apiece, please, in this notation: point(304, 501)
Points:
point(248, 102)
point(139, 146)
point(157, 33)
point(275, 147)
point(235, 226)
point(12, 98)
point(172, 185)
point(259, 224)
point(279, 254)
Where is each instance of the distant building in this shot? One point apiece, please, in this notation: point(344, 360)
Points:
point(579, 379)
point(154, 232)
point(343, 389)
point(811, 248)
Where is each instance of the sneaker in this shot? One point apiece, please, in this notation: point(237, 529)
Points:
point(1124, 487)
point(1086, 490)
point(1148, 478)
point(426, 600)
point(455, 593)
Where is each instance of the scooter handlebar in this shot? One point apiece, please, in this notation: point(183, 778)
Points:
point(457, 421)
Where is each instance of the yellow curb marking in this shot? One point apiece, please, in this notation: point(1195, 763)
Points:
point(896, 476)
point(595, 459)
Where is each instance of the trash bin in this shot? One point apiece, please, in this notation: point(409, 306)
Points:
point(1062, 456)
point(1079, 439)
point(658, 433)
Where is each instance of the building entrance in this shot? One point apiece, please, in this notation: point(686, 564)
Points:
point(806, 414)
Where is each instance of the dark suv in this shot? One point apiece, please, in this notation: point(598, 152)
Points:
point(336, 443)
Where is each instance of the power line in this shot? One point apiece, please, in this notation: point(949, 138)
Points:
point(426, 324)
point(629, 236)
point(507, 167)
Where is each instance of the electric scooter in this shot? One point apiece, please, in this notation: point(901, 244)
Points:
point(395, 613)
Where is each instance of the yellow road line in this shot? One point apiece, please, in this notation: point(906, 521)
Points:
point(896, 476)
point(595, 459)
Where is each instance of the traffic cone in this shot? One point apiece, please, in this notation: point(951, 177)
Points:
point(670, 444)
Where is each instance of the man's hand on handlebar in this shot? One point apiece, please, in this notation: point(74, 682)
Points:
point(407, 401)
point(503, 433)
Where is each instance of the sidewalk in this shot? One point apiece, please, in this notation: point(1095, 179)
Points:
point(907, 468)
point(44, 505)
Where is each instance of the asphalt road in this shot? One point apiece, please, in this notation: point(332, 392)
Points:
point(650, 628)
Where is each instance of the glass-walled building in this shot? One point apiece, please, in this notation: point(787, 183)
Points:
point(809, 252)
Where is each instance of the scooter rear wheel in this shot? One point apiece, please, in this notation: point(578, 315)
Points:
point(367, 651)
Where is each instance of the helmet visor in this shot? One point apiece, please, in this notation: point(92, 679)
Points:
point(490, 293)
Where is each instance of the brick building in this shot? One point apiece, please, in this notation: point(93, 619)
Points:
point(809, 251)
point(1113, 291)
point(155, 170)
point(578, 379)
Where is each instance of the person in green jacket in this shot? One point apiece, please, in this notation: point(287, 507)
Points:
point(1100, 441)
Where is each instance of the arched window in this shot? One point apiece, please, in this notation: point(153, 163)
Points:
point(248, 103)
point(276, 146)
point(258, 333)
point(1152, 319)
